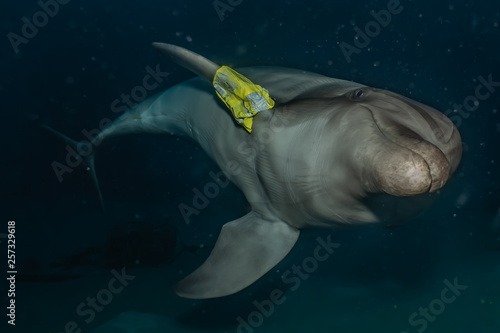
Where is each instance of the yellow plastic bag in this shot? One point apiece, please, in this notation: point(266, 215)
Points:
point(241, 96)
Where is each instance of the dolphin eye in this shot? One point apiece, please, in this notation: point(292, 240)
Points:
point(358, 94)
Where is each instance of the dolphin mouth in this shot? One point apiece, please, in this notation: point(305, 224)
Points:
point(439, 167)
point(411, 165)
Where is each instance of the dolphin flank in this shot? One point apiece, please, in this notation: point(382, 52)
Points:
point(309, 161)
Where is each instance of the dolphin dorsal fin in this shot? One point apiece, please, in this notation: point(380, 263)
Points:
point(246, 249)
point(196, 63)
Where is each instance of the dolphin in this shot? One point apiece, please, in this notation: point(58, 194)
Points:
point(309, 162)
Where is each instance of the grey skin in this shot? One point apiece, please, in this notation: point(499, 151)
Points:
point(309, 161)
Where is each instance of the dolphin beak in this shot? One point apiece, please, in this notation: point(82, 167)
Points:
point(437, 163)
point(408, 164)
point(420, 147)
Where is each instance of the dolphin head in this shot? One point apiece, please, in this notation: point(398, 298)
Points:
point(346, 141)
point(411, 148)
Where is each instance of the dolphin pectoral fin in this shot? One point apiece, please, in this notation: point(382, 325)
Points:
point(247, 248)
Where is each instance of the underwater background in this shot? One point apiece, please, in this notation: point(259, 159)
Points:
point(84, 269)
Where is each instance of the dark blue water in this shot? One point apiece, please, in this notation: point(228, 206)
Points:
point(439, 272)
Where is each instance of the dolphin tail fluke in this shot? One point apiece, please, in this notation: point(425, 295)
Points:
point(246, 249)
point(83, 151)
